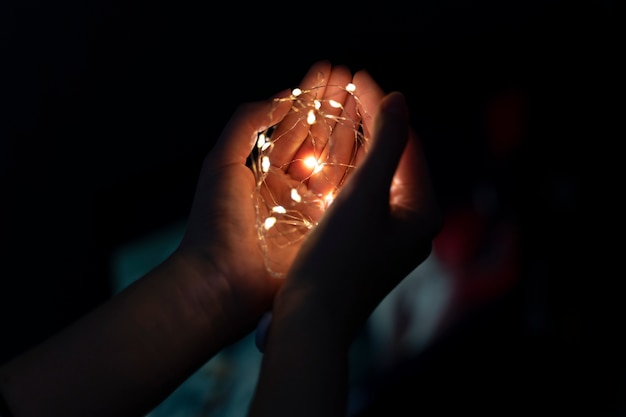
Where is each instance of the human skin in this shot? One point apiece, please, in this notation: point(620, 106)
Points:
point(378, 229)
point(131, 352)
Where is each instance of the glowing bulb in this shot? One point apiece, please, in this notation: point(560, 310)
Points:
point(295, 195)
point(279, 209)
point(332, 140)
point(269, 223)
point(261, 141)
point(311, 162)
point(328, 199)
point(265, 163)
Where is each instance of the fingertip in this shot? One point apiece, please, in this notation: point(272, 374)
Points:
point(284, 93)
point(316, 74)
point(394, 103)
point(362, 75)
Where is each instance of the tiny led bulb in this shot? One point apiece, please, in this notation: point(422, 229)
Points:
point(310, 118)
point(295, 195)
point(329, 199)
point(296, 92)
point(334, 104)
point(311, 162)
point(269, 223)
point(351, 88)
point(265, 163)
point(261, 141)
point(317, 104)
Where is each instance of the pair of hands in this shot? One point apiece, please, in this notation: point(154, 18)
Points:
point(124, 357)
point(377, 230)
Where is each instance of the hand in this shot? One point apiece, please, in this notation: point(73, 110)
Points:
point(378, 229)
point(222, 238)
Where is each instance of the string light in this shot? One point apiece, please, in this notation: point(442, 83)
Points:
point(325, 136)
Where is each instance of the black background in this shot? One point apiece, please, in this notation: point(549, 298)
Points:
point(108, 110)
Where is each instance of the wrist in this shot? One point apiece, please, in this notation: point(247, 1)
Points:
point(208, 291)
point(319, 316)
point(304, 339)
point(205, 288)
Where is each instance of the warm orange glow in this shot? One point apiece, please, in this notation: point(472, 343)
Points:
point(329, 199)
point(312, 163)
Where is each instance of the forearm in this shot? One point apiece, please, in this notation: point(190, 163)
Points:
point(305, 360)
point(124, 357)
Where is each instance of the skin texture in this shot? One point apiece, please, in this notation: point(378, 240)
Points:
point(130, 353)
point(383, 222)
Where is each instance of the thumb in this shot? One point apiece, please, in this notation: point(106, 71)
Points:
point(389, 137)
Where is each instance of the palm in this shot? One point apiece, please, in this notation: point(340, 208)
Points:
point(301, 162)
point(228, 229)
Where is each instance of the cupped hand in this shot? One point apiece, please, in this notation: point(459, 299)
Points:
point(378, 229)
point(226, 238)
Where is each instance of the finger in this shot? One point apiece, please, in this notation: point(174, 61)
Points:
point(293, 128)
point(389, 138)
point(338, 157)
point(345, 150)
point(361, 209)
point(331, 105)
point(321, 125)
point(411, 185)
point(369, 95)
point(414, 213)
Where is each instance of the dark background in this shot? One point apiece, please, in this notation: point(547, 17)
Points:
point(108, 109)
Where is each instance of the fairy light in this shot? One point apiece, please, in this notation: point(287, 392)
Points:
point(265, 164)
point(334, 104)
point(312, 163)
point(261, 141)
point(295, 195)
point(291, 197)
point(269, 222)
